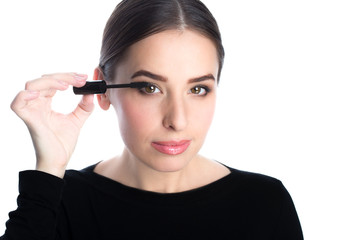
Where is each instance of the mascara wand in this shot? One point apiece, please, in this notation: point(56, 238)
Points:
point(100, 87)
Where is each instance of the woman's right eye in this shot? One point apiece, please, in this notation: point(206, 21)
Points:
point(150, 89)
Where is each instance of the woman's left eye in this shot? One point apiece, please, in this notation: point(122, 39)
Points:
point(199, 90)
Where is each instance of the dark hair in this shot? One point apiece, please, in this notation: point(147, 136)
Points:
point(134, 20)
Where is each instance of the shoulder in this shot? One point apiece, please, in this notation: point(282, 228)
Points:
point(74, 176)
point(266, 196)
point(79, 189)
point(257, 189)
point(254, 181)
point(79, 181)
point(264, 204)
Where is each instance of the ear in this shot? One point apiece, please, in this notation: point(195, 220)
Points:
point(103, 99)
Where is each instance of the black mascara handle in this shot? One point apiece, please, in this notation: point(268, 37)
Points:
point(91, 87)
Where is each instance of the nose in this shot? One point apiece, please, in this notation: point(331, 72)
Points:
point(175, 114)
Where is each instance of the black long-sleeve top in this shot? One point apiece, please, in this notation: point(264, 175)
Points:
point(85, 205)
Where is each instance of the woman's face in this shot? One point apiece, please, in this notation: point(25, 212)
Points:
point(164, 126)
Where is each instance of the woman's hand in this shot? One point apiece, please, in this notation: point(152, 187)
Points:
point(54, 135)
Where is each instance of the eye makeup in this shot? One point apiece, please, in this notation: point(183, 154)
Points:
point(100, 87)
point(200, 90)
point(150, 89)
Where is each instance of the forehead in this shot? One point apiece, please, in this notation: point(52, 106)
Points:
point(186, 53)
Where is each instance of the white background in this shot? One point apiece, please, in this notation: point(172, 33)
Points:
point(288, 103)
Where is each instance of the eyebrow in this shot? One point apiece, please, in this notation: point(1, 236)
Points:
point(202, 78)
point(149, 75)
point(164, 79)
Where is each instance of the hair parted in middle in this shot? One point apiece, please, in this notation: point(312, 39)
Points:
point(134, 20)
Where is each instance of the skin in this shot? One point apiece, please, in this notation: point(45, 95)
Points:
point(54, 135)
point(175, 111)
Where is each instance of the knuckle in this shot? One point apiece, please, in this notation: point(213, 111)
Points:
point(28, 85)
point(14, 103)
point(12, 106)
point(45, 75)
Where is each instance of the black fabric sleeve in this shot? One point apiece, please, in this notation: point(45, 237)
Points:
point(288, 226)
point(38, 202)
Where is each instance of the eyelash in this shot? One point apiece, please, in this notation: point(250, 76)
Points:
point(201, 87)
point(143, 91)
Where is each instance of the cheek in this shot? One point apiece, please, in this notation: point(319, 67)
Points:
point(139, 119)
point(202, 116)
point(136, 120)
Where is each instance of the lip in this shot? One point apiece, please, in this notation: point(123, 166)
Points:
point(171, 147)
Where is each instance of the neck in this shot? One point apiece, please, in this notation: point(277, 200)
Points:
point(137, 174)
point(132, 172)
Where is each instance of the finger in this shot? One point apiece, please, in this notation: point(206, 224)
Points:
point(56, 82)
point(84, 108)
point(75, 79)
point(22, 99)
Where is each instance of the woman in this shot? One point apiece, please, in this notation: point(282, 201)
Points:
point(159, 187)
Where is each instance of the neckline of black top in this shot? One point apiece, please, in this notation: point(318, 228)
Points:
point(134, 195)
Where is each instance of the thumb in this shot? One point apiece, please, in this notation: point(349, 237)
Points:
point(84, 108)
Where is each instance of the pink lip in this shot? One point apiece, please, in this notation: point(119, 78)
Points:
point(171, 147)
